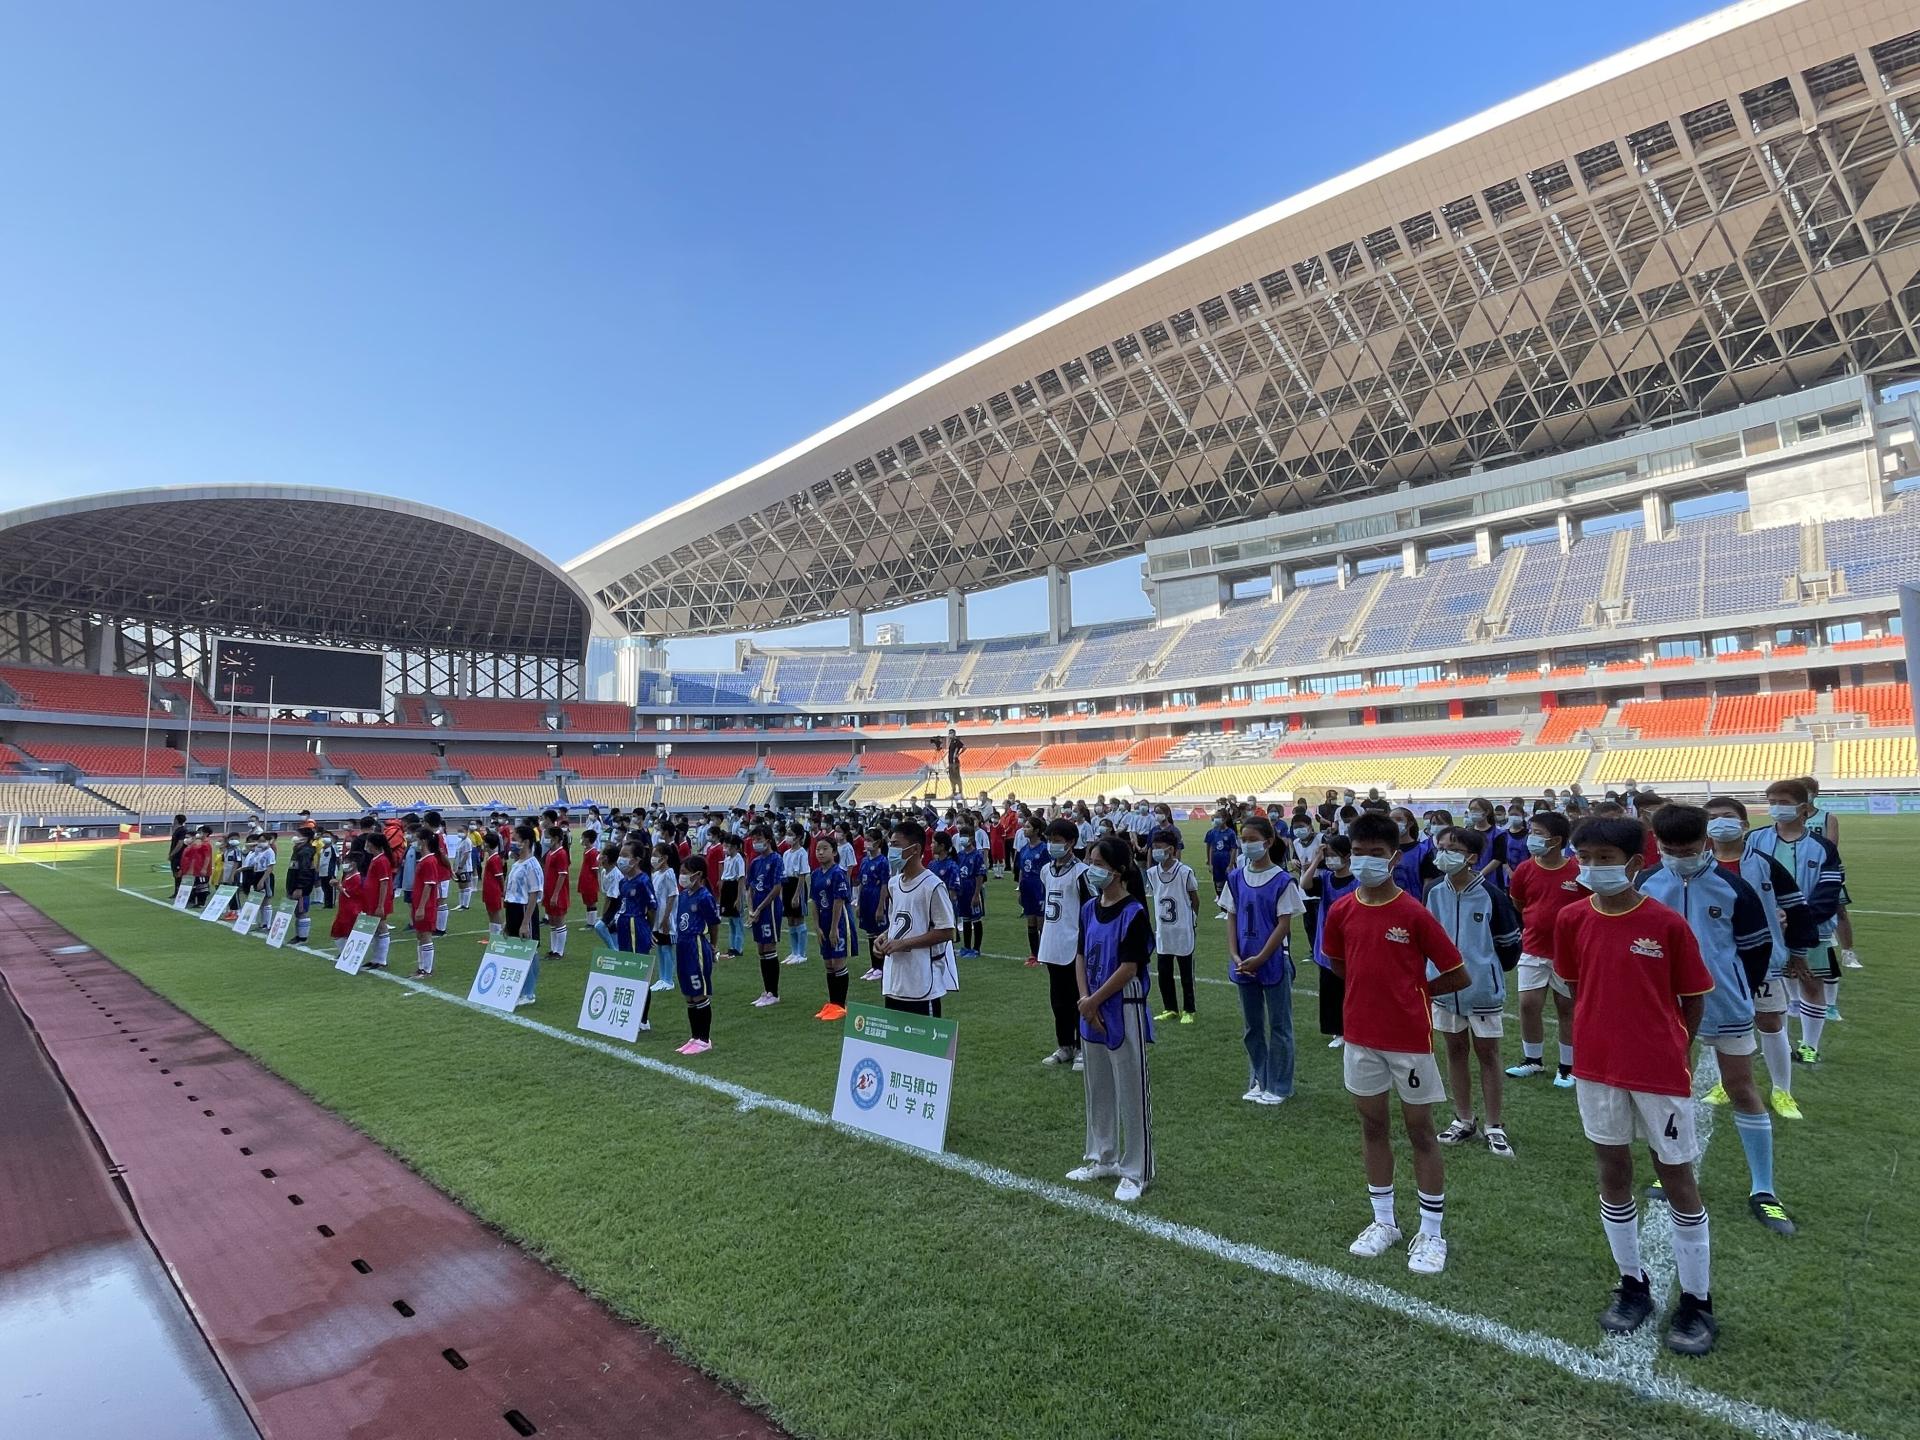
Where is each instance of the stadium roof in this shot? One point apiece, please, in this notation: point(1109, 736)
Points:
point(331, 566)
point(1718, 214)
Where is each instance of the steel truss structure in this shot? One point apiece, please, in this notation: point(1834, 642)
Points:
point(1723, 214)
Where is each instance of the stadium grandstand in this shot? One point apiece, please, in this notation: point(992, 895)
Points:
point(1577, 443)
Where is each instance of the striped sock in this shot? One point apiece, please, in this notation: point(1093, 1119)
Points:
point(1622, 1224)
point(1433, 1209)
point(1690, 1246)
point(1382, 1198)
point(1756, 1138)
point(1813, 1022)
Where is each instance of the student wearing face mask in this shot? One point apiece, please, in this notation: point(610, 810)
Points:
point(493, 884)
point(1816, 868)
point(1261, 902)
point(733, 875)
point(1544, 884)
point(1640, 990)
point(696, 936)
point(873, 875)
point(833, 915)
point(665, 858)
point(429, 869)
point(917, 949)
point(1303, 856)
point(1331, 878)
point(969, 887)
point(1735, 936)
point(526, 883)
point(1175, 900)
point(1223, 844)
point(766, 892)
point(1110, 976)
point(1410, 871)
point(1485, 929)
point(1510, 841)
point(1029, 860)
point(1063, 894)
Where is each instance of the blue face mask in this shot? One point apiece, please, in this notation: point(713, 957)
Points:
point(1099, 877)
point(1057, 849)
point(896, 858)
point(963, 842)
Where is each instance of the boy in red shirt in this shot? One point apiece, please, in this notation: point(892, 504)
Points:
point(196, 863)
point(352, 898)
point(1638, 986)
point(1379, 940)
point(557, 892)
point(493, 886)
point(1543, 885)
point(429, 869)
point(589, 886)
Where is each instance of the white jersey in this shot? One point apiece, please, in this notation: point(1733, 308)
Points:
point(1172, 891)
point(913, 908)
point(459, 853)
point(1064, 892)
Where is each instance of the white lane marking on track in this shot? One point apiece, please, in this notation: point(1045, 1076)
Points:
point(1606, 1365)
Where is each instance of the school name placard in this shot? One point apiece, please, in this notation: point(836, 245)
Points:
point(896, 1075)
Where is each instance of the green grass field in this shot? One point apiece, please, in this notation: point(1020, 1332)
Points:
point(858, 1290)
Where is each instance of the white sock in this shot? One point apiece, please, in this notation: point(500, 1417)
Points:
point(1778, 1054)
point(1832, 989)
point(1432, 1209)
point(300, 930)
point(1566, 1054)
point(557, 940)
point(466, 897)
point(426, 956)
point(1382, 1198)
point(1622, 1224)
point(379, 956)
point(1690, 1244)
point(1813, 1023)
point(1533, 1049)
point(493, 931)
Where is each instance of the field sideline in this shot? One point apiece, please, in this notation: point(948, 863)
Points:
point(856, 1290)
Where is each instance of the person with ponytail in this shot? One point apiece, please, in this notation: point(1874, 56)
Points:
point(1116, 947)
point(1261, 901)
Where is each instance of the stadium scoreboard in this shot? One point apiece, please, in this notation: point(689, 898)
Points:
point(299, 677)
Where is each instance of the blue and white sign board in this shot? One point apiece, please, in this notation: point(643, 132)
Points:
point(896, 1075)
point(616, 997)
point(216, 906)
point(503, 974)
point(249, 912)
point(281, 925)
point(183, 893)
point(353, 950)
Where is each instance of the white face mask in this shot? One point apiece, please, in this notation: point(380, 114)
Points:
point(1605, 879)
point(1371, 870)
point(1687, 865)
point(1449, 862)
point(1724, 828)
point(1783, 814)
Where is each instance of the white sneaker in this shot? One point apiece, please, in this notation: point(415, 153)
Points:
point(1080, 1174)
point(1336, 1042)
point(1267, 1097)
point(766, 1000)
point(1127, 1191)
point(1375, 1241)
point(1851, 960)
point(1254, 1092)
point(1497, 1142)
point(1079, 1060)
point(1427, 1255)
point(1059, 1057)
point(1459, 1132)
point(794, 960)
point(874, 974)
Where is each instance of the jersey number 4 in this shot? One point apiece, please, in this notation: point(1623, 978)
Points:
point(1672, 1130)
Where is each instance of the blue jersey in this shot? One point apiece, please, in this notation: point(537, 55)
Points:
point(633, 921)
point(1332, 887)
point(763, 879)
point(1221, 843)
point(874, 873)
point(971, 868)
point(1407, 867)
point(1100, 944)
point(830, 888)
point(949, 873)
point(1730, 923)
point(694, 915)
point(1029, 861)
point(1256, 915)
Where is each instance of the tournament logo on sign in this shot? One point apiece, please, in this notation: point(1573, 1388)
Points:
point(597, 1002)
point(859, 1023)
point(489, 973)
point(867, 1084)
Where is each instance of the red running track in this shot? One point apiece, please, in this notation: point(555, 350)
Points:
point(345, 1296)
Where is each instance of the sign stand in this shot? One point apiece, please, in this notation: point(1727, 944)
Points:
point(615, 1004)
point(281, 925)
point(216, 905)
point(502, 974)
point(896, 1075)
point(249, 912)
point(353, 951)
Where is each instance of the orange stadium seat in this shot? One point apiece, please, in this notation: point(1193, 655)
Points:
point(1145, 752)
point(1566, 721)
point(1668, 719)
point(529, 716)
point(251, 760)
point(496, 766)
point(1758, 714)
point(386, 764)
point(892, 760)
point(77, 691)
point(1396, 745)
point(628, 766)
point(598, 717)
point(986, 759)
point(805, 763)
point(96, 759)
point(693, 763)
point(1075, 754)
point(1885, 706)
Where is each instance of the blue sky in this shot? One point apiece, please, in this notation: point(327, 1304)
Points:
point(557, 266)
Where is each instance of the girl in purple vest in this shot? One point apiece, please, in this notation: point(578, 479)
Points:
point(1116, 947)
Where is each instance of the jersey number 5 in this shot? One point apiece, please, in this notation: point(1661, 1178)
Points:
point(1053, 908)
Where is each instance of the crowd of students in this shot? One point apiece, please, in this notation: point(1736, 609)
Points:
point(1649, 924)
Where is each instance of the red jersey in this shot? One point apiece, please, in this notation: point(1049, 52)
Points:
point(197, 860)
point(558, 894)
point(1385, 949)
point(428, 872)
point(716, 856)
point(493, 882)
point(1541, 895)
point(1629, 973)
point(377, 891)
point(590, 877)
point(353, 891)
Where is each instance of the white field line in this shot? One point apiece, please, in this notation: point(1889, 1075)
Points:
point(1607, 1365)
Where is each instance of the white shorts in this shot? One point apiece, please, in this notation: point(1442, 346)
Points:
point(1771, 996)
point(1374, 1072)
point(1741, 1044)
point(1537, 974)
point(1612, 1116)
point(1486, 1027)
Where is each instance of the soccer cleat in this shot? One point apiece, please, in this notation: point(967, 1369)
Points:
point(832, 1012)
point(1833, 1013)
point(423, 974)
point(1459, 1132)
point(1092, 1170)
point(526, 1000)
point(1564, 1080)
point(1631, 1307)
point(1497, 1142)
point(659, 985)
point(1693, 1329)
point(1374, 1241)
point(1168, 1015)
point(1716, 1096)
point(794, 960)
point(766, 998)
point(1851, 960)
point(1806, 1054)
point(1427, 1255)
point(1187, 1018)
point(1127, 1191)
point(1785, 1106)
point(686, 1049)
point(1768, 1210)
point(1526, 1069)
point(1062, 1056)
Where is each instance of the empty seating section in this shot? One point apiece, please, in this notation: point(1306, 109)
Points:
point(834, 677)
point(719, 687)
point(97, 759)
point(1074, 754)
point(1214, 647)
point(1533, 587)
point(890, 760)
point(1566, 721)
point(1667, 719)
point(162, 800)
point(190, 693)
point(816, 764)
point(1113, 656)
point(254, 761)
point(607, 794)
point(1876, 555)
point(1144, 782)
point(702, 795)
point(693, 763)
point(1744, 762)
point(597, 717)
point(1883, 757)
point(35, 801)
point(1396, 745)
point(1758, 714)
point(1457, 598)
point(10, 759)
point(1747, 572)
point(1323, 615)
point(1145, 752)
point(1214, 781)
point(887, 790)
point(522, 798)
point(410, 796)
point(1013, 666)
point(78, 691)
point(1583, 569)
point(496, 766)
point(1884, 705)
point(1390, 626)
point(1524, 772)
point(899, 676)
point(628, 765)
point(277, 802)
point(988, 759)
point(526, 716)
point(1665, 577)
point(1397, 772)
point(385, 764)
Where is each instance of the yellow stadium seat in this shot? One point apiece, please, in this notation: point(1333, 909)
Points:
point(1751, 762)
point(1520, 772)
point(1217, 780)
point(413, 794)
point(34, 800)
point(166, 799)
point(1146, 782)
point(1387, 772)
point(524, 797)
point(1885, 757)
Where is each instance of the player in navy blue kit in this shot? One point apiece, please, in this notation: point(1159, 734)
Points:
point(696, 934)
point(765, 876)
point(873, 875)
point(1028, 862)
point(970, 894)
point(833, 913)
point(1222, 843)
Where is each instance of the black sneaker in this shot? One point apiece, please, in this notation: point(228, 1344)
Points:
point(1632, 1304)
point(1768, 1210)
point(1693, 1329)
